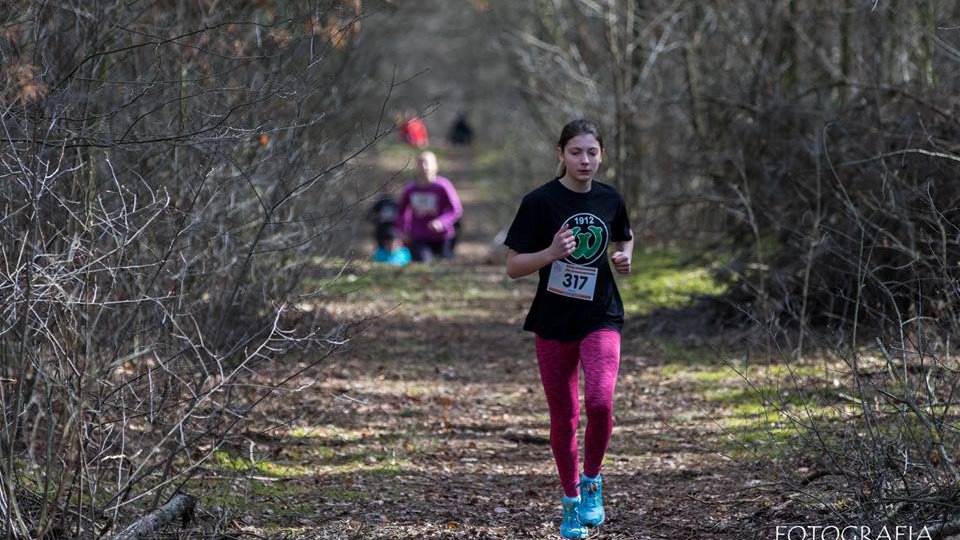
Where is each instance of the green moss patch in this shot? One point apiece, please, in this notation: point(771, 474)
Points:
point(661, 279)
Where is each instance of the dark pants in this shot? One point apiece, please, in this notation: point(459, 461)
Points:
point(426, 251)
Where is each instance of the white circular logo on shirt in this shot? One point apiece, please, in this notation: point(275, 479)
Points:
point(592, 238)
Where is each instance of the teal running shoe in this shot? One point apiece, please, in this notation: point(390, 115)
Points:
point(571, 527)
point(591, 501)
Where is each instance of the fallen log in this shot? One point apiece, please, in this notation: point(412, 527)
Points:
point(525, 437)
point(180, 505)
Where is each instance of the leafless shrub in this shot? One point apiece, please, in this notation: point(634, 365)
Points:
point(167, 177)
point(848, 248)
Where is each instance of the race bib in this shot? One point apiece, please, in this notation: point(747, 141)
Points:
point(572, 280)
point(424, 204)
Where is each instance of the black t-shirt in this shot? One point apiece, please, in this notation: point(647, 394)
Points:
point(576, 295)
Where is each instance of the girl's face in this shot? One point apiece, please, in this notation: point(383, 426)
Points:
point(581, 157)
point(427, 167)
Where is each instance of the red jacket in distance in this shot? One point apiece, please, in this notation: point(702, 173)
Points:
point(414, 133)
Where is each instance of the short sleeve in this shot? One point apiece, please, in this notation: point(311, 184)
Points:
point(522, 236)
point(621, 223)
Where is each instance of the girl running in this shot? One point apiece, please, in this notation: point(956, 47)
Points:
point(563, 230)
point(428, 211)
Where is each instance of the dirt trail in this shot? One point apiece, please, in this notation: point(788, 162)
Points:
point(432, 423)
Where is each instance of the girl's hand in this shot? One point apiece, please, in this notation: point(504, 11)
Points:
point(563, 243)
point(621, 262)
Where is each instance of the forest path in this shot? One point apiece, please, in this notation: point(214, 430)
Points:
point(432, 422)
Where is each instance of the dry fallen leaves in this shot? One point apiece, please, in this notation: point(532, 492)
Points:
point(23, 75)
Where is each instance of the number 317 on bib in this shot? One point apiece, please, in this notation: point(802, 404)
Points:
point(572, 280)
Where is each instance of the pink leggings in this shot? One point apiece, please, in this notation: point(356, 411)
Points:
point(599, 353)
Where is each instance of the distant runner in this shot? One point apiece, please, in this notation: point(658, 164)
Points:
point(428, 210)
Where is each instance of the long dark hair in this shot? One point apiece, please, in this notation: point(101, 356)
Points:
point(571, 130)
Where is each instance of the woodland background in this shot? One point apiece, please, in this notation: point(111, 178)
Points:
point(181, 182)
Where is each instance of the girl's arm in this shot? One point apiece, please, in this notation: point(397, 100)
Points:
point(524, 264)
point(622, 255)
point(454, 210)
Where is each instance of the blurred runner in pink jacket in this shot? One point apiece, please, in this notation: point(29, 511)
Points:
point(428, 209)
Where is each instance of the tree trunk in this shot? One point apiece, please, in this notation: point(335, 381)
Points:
point(928, 29)
point(691, 56)
point(621, 41)
point(846, 50)
point(890, 71)
point(789, 55)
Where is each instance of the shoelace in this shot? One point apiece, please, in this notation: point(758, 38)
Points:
point(592, 492)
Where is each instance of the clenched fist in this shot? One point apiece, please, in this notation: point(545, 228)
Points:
point(621, 262)
point(563, 243)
